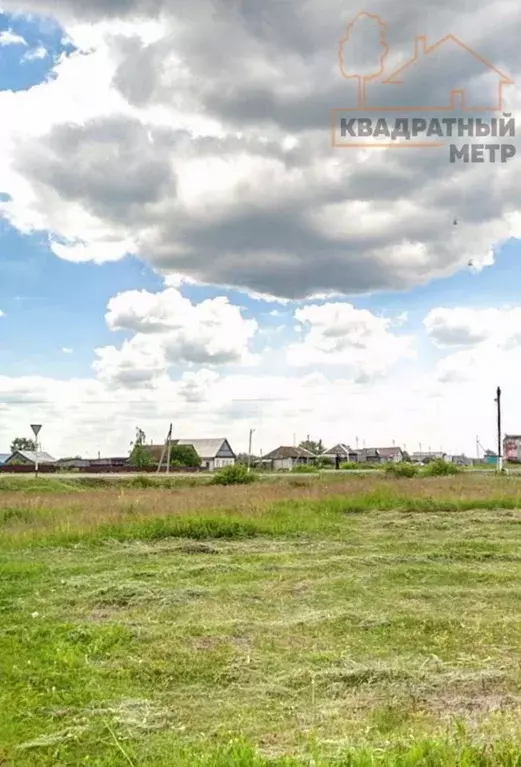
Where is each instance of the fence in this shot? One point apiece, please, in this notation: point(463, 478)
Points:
point(96, 469)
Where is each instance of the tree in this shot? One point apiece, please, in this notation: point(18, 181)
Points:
point(139, 455)
point(141, 437)
point(184, 455)
point(23, 443)
point(242, 459)
point(314, 447)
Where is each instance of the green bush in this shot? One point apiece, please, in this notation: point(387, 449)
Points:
point(401, 469)
point(233, 475)
point(304, 468)
point(349, 466)
point(325, 463)
point(184, 455)
point(440, 468)
point(142, 481)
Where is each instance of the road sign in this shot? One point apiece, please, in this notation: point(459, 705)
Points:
point(36, 428)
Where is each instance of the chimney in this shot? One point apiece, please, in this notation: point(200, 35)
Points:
point(420, 44)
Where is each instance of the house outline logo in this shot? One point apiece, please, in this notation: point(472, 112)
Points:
point(421, 48)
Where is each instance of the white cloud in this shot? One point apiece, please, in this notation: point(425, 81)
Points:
point(339, 334)
point(169, 330)
point(35, 55)
point(139, 362)
point(468, 326)
point(66, 350)
point(82, 416)
point(8, 37)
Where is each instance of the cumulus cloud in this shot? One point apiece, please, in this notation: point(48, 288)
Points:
point(8, 37)
point(168, 330)
point(225, 175)
point(339, 334)
point(467, 327)
point(35, 55)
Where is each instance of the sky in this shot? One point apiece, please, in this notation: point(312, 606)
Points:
point(180, 242)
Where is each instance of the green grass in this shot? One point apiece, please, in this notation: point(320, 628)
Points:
point(370, 627)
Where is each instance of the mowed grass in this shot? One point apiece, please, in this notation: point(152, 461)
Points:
point(368, 621)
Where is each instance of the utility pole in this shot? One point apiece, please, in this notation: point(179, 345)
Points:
point(167, 450)
point(36, 427)
point(499, 440)
point(249, 448)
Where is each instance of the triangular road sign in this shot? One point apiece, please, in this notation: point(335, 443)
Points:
point(36, 428)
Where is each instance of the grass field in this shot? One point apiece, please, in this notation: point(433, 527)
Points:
point(355, 621)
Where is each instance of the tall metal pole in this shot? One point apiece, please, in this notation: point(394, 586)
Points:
point(36, 428)
point(249, 448)
point(499, 436)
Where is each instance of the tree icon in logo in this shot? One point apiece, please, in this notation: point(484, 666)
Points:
point(362, 51)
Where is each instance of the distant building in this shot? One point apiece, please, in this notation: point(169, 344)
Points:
point(286, 458)
point(345, 453)
point(390, 454)
point(29, 458)
point(491, 457)
point(422, 457)
point(460, 460)
point(110, 463)
point(368, 455)
point(214, 453)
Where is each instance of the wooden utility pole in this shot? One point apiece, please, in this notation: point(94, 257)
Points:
point(167, 449)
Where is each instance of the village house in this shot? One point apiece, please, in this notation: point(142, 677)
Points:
point(29, 458)
point(286, 458)
point(214, 453)
point(343, 451)
point(390, 454)
point(368, 455)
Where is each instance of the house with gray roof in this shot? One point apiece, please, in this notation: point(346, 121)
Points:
point(286, 458)
point(214, 453)
point(29, 458)
point(345, 453)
